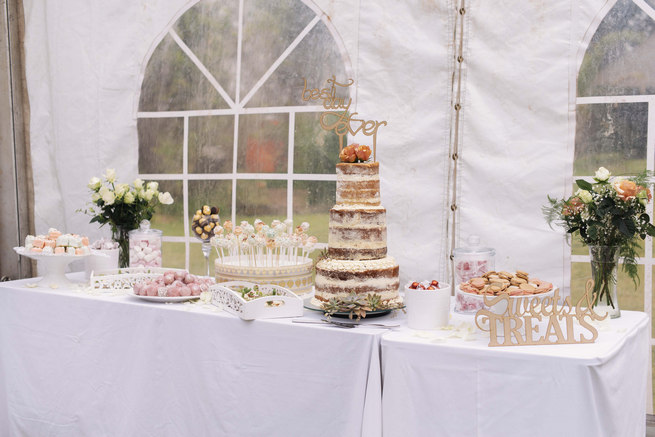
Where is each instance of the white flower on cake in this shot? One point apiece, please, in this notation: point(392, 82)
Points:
point(602, 175)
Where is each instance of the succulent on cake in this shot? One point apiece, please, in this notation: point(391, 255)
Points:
point(355, 153)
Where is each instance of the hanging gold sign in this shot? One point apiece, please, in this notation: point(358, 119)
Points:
point(338, 117)
point(521, 323)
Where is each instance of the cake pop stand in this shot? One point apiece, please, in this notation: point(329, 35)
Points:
point(55, 266)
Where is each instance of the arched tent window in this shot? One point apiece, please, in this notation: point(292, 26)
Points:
point(615, 123)
point(221, 119)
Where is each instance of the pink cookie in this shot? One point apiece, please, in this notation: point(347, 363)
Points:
point(173, 291)
point(185, 291)
point(60, 250)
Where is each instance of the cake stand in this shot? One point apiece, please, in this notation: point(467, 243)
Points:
point(55, 265)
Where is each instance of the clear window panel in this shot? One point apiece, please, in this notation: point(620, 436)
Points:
point(315, 149)
point(210, 30)
point(161, 141)
point(261, 199)
point(212, 193)
point(268, 29)
point(263, 143)
point(614, 63)
point(611, 135)
point(172, 82)
point(316, 59)
point(197, 264)
point(211, 144)
point(170, 218)
point(173, 255)
point(312, 201)
point(630, 298)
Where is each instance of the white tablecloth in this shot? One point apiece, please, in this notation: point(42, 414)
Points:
point(78, 365)
point(439, 386)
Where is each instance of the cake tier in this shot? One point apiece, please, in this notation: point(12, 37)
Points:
point(357, 232)
point(340, 278)
point(358, 183)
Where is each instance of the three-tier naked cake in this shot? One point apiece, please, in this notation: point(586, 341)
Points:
point(357, 243)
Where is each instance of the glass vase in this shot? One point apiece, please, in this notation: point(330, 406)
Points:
point(120, 235)
point(604, 271)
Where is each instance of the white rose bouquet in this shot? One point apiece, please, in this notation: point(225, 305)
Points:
point(123, 207)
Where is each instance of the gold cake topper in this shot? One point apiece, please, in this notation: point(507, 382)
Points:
point(518, 323)
point(337, 116)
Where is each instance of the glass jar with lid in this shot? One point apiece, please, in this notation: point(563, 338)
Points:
point(145, 246)
point(472, 260)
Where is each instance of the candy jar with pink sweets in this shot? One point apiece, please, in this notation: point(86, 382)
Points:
point(145, 246)
point(472, 260)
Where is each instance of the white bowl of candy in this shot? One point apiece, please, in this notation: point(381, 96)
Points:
point(427, 304)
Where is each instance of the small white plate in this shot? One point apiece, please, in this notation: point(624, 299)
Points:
point(162, 298)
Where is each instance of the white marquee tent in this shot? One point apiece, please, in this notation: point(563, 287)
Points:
point(481, 100)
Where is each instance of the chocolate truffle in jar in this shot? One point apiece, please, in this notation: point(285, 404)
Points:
point(145, 246)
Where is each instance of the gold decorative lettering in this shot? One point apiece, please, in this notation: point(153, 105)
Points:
point(339, 107)
point(520, 314)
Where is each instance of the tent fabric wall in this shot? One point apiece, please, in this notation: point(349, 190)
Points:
point(84, 65)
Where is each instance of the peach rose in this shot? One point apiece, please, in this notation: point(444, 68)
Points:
point(626, 189)
point(363, 152)
point(348, 153)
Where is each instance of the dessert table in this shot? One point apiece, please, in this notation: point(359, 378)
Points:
point(78, 364)
point(436, 385)
point(75, 363)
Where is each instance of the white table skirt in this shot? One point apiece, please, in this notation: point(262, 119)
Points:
point(72, 364)
point(437, 386)
point(78, 365)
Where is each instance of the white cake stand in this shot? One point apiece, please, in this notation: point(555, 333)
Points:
point(55, 266)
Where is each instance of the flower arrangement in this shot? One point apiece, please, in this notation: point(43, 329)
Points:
point(355, 153)
point(123, 206)
point(610, 216)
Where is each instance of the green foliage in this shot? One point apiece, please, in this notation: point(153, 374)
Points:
point(610, 213)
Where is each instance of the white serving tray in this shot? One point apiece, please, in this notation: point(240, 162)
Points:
point(289, 304)
point(125, 278)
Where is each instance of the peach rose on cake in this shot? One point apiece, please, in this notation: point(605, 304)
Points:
point(348, 154)
point(363, 152)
